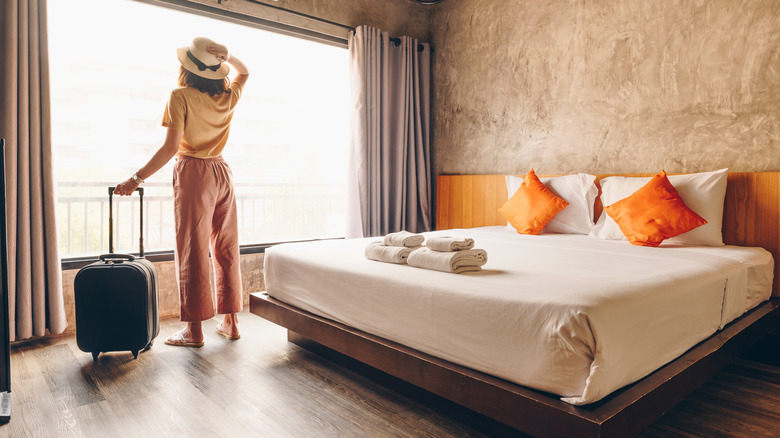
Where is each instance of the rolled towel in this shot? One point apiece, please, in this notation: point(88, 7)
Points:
point(388, 254)
point(404, 238)
point(455, 261)
point(447, 243)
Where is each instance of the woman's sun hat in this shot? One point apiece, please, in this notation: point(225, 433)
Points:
point(196, 59)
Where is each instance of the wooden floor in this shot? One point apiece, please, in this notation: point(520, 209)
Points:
point(261, 385)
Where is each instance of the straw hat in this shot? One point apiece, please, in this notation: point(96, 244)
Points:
point(196, 59)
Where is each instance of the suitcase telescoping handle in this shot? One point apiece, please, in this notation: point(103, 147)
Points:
point(140, 191)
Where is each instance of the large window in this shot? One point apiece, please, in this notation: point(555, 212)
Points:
point(110, 79)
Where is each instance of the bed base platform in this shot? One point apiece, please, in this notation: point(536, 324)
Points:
point(626, 412)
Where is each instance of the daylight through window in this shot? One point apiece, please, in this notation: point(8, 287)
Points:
point(110, 79)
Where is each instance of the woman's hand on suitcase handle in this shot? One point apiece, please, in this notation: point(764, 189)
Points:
point(126, 188)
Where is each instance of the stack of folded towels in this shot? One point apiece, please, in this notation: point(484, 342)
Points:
point(443, 253)
point(395, 248)
point(449, 254)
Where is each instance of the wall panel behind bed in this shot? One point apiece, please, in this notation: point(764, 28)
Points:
point(751, 213)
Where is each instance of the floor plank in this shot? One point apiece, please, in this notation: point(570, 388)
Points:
point(261, 385)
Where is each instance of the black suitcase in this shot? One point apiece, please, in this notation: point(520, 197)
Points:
point(116, 299)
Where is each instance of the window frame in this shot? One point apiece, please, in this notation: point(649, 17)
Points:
point(72, 263)
point(258, 22)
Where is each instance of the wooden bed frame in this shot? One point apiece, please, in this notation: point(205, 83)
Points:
point(751, 218)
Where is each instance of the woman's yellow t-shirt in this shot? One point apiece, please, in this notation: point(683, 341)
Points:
point(203, 119)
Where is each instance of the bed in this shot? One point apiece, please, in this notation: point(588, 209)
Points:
point(623, 378)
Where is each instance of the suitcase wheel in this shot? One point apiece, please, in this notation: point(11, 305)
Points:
point(95, 355)
point(135, 354)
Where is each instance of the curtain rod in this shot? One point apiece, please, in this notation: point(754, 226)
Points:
point(396, 41)
point(301, 14)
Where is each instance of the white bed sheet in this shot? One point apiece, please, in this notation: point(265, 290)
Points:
point(568, 314)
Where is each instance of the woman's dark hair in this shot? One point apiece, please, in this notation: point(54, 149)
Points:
point(211, 86)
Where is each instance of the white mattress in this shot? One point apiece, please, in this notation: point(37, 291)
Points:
point(568, 314)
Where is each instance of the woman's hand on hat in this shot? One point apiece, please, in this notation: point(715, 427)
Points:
point(220, 51)
point(126, 188)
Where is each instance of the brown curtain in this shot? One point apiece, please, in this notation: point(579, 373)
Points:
point(390, 174)
point(34, 274)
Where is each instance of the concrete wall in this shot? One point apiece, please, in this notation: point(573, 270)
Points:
point(606, 85)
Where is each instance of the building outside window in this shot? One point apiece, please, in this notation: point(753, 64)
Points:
point(110, 79)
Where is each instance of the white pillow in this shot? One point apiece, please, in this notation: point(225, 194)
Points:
point(702, 192)
point(579, 190)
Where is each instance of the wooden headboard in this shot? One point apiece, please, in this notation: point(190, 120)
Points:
point(751, 212)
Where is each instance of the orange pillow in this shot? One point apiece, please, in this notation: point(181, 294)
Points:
point(653, 213)
point(532, 206)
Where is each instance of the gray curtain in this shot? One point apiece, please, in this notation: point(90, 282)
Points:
point(34, 274)
point(390, 159)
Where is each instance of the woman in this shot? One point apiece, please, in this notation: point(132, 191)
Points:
point(198, 116)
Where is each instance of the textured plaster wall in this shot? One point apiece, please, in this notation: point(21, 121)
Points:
point(606, 85)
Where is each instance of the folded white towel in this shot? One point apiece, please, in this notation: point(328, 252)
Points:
point(388, 254)
point(447, 243)
point(404, 238)
point(455, 261)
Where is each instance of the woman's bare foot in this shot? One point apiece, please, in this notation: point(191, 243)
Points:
point(229, 327)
